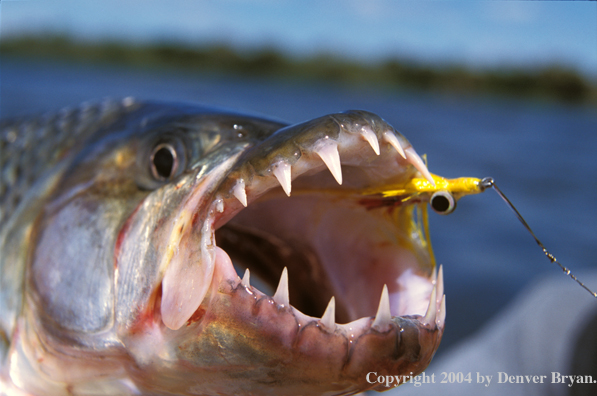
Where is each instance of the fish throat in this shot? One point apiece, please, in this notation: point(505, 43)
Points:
point(333, 245)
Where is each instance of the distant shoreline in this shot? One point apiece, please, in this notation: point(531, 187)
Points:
point(553, 82)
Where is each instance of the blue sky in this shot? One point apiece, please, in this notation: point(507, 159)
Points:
point(474, 33)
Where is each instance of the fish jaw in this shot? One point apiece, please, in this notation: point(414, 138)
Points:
point(232, 338)
point(246, 343)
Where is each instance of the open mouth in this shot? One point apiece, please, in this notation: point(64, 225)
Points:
point(318, 225)
point(305, 200)
point(306, 239)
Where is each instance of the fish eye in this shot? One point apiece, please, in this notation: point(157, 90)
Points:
point(164, 161)
point(443, 202)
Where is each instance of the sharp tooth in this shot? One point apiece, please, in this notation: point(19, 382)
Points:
point(281, 296)
point(282, 173)
point(328, 320)
point(239, 192)
point(329, 154)
point(369, 135)
point(383, 318)
point(417, 162)
point(246, 278)
point(441, 316)
point(432, 309)
point(393, 140)
point(440, 285)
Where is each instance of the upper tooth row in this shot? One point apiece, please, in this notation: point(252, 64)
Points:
point(327, 150)
point(436, 312)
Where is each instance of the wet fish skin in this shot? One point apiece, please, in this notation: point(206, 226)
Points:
point(30, 147)
point(90, 236)
point(24, 159)
point(82, 144)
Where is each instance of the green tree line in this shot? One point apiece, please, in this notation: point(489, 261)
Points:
point(551, 82)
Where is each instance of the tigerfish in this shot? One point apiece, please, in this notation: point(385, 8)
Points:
point(125, 226)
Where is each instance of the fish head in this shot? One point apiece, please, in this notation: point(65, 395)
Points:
point(137, 258)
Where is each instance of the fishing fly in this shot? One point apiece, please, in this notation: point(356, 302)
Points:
point(442, 195)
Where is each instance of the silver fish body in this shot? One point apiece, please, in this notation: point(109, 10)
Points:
point(125, 227)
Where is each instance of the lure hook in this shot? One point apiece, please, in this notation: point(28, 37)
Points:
point(488, 182)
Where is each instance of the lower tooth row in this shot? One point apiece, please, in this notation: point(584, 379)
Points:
point(436, 312)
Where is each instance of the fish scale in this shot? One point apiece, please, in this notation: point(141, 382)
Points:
point(31, 145)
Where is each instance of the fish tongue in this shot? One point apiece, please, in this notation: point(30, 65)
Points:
point(186, 280)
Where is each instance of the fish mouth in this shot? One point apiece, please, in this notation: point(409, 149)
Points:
point(298, 245)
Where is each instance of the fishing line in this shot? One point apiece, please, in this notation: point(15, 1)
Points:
point(489, 183)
